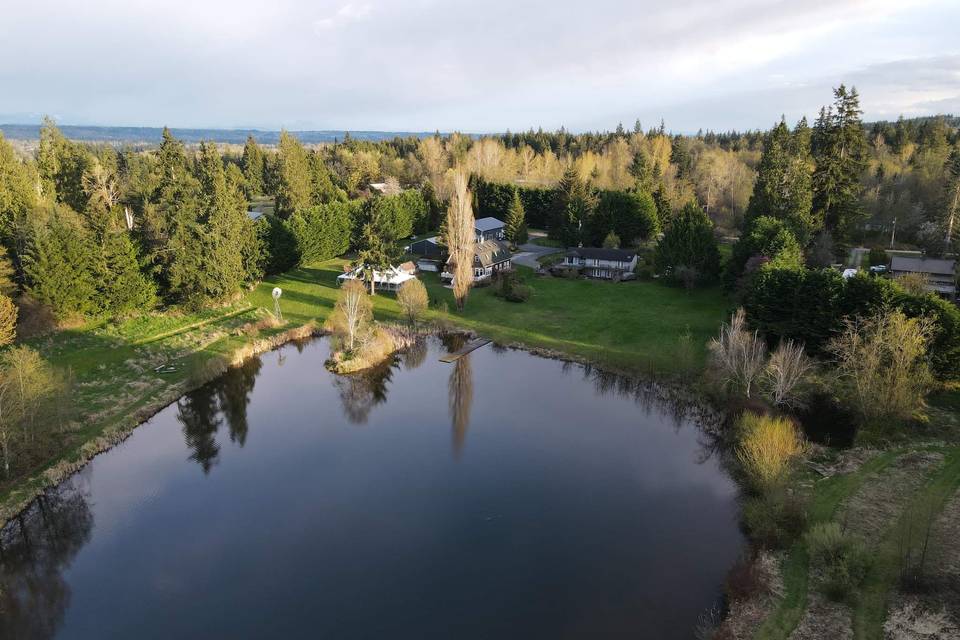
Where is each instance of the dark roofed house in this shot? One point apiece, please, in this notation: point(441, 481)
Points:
point(491, 257)
point(941, 274)
point(428, 248)
point(608, 264)
point(489, 229)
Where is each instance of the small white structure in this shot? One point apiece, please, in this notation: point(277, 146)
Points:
point(388, 280)
point(277, 292)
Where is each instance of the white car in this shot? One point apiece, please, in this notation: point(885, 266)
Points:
point(849, 273)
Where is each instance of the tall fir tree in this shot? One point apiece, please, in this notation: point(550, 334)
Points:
point(783, 189)
point(254, 168)
point(573, 204)
point(59, 263)
point(516, 222)
point(294, 177)
point(839, 150)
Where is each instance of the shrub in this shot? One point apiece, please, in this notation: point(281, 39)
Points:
point(8, 320)
point(841, 558)
point(768, 445)
point(883, 360)
point(737, 355)
point(510, 287)
point(774, 519)
point(412, 298)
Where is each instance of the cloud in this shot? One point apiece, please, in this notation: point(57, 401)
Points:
point(346, 14)
point(460, 64)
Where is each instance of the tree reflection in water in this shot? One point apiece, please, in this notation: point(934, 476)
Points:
point(415, 355)
point(34, 551)
point(461, 399)
point(657, 398)
point(202, 412)
point(361, 392)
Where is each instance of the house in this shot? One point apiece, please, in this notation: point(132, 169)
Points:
point(388, 188)
point(941, 274)
point(608, 264)
point(490, 257)
point(388, 280)
point(427, 248)
point(489, 229)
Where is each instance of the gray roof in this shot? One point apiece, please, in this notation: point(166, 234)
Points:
point(923, 265)
point(491, 252)
point(595, 253)
point(488, 224)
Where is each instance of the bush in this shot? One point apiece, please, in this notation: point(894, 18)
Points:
point(413, 299)
point(768, 446)
point(842, 559)
point(510, 287)
point(774, 519)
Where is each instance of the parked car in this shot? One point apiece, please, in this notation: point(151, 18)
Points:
point(878, 268)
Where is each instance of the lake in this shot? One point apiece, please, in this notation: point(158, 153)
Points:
point(503, 496)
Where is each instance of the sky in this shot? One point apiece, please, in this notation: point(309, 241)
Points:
point(490, 66)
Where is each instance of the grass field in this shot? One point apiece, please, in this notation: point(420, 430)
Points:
point(631, 326)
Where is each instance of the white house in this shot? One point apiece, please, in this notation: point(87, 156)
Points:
point(389, 280)
point(608, 264)
point(490, 257)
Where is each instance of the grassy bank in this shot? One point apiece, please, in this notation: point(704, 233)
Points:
point(124, 372)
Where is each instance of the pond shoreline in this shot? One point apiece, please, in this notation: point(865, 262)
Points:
point(708, 416)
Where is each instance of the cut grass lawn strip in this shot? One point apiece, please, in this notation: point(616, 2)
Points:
point(827, 496)
point(870, 611)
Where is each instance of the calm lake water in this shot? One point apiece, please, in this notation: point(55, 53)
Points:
point(504, 496)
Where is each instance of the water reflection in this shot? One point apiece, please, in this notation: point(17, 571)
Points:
point(460, 387)
point(542, 505)
point(34, 550)
point(202, 411)
point(414, 356)
point(361, 392)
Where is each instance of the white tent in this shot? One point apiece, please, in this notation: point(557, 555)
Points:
point(389, 280)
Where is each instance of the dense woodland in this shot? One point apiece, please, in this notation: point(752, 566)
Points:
point(93, 229)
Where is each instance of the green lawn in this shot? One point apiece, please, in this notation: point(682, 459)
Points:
point(630, 326)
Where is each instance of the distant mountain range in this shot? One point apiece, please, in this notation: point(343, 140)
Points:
point(152, 135)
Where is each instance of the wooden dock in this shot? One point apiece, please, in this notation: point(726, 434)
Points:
point(467, 348)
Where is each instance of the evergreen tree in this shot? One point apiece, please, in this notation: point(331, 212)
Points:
point(59, 263)
point(783, 189)
point(123, 286)
point(839, 147)
point(516, 223)
point(18, 193)
point(378, 248)
point(226, 228)
point(641, 172)
point(688, 242)
point(574, 203)
point(294, 177)
point(254, 168)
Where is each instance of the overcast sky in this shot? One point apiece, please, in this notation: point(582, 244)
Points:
point(475, 66)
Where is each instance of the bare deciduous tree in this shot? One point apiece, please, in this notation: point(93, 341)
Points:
point(786, 369)
point(352, 313)
point(884, 360)
point(460, 238)
point(738, 353)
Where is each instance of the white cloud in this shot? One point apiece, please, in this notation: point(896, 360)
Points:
point(460, 64)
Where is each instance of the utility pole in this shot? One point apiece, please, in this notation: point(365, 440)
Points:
point(893, 234)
